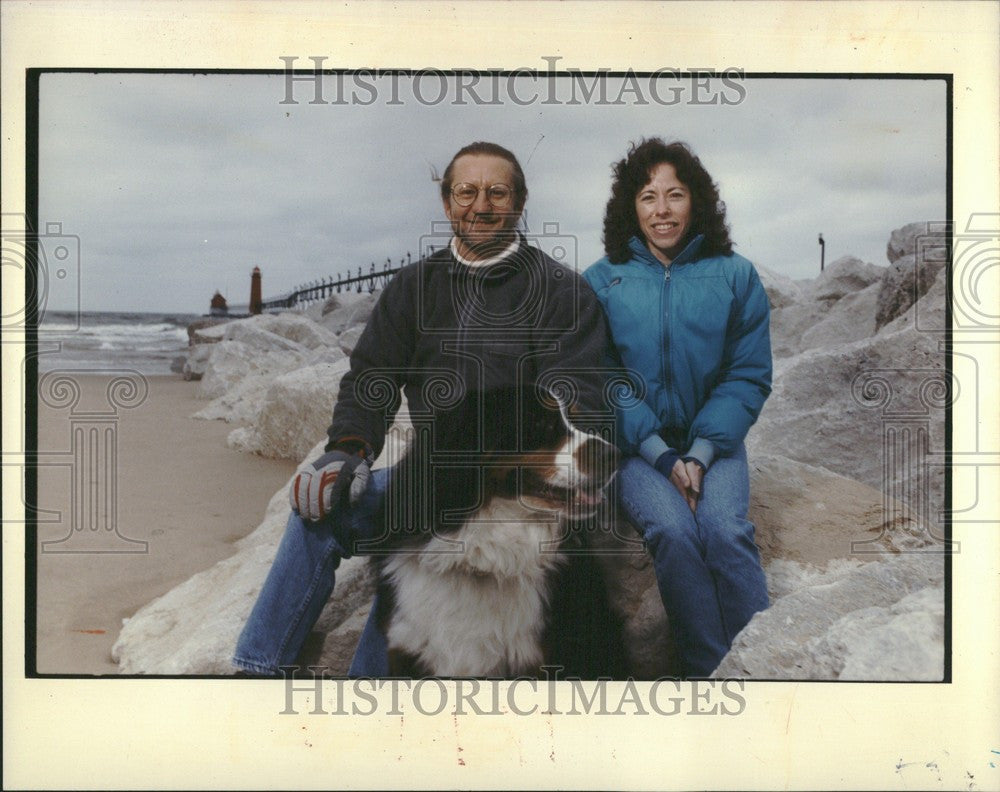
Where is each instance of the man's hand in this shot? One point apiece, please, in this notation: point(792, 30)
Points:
point(685, 474)
point(318, 486)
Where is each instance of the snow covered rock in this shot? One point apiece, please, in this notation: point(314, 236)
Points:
point(293, 413)
point(231, 362)
point(343, 311)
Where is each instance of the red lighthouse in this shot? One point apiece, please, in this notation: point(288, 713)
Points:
point(256, 301)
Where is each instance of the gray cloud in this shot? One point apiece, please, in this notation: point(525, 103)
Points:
point(179, 184)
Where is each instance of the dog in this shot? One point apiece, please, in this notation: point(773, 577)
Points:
point(479, 573)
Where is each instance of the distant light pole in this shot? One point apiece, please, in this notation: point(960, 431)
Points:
point(822, 252)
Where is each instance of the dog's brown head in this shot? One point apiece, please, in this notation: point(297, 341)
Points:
point(536, 454)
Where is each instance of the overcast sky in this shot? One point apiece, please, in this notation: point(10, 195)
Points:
point(178, 185)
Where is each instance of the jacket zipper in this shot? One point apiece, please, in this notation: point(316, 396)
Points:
point(665, 356)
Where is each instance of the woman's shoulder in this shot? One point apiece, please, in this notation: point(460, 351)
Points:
point(733, 261)
point(604, 270)
point(733, 266)
point(598, 273)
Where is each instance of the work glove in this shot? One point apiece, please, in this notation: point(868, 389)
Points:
point(319, 486)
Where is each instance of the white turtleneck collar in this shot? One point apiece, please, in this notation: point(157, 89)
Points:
point(509, 251)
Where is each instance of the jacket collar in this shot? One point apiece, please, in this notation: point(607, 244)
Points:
point(686, 256)
point(510, 262)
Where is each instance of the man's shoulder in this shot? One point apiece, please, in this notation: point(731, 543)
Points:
point(434, 262)
point(442, 257)
point(560, 275)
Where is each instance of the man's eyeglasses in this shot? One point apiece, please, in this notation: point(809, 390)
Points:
point(498, 195)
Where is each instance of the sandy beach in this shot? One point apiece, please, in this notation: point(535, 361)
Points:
point(179, 488)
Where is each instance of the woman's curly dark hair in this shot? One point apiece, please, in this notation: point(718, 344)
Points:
point(708, 212)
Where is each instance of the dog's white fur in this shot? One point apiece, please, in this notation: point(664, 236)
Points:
point(476, 609)
point(474, 603)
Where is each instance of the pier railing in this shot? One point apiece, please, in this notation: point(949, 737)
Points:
point(305, 294)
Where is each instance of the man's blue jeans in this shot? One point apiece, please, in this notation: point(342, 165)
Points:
point(707, 566)
point(300, 582)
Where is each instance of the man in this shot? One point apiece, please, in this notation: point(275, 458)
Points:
point(487, 311)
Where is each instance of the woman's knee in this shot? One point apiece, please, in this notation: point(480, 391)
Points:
point(726, 533)
point(643, 489)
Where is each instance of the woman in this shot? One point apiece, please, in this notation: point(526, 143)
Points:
point(690, 322)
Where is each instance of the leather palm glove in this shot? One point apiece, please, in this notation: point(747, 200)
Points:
point(319, 486)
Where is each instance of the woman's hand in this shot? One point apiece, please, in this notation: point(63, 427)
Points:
point(694, 473)
point(685, 475)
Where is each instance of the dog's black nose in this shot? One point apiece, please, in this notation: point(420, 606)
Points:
point(598, 458)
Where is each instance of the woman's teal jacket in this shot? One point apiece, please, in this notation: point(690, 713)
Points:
point(695, 340)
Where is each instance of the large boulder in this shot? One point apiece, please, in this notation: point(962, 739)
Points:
point(925, 241)
point(203, 331)
point(853, 407)
point(844, 276)
point(297, 327)
point(210, 333)
point(904, 282)
point(245, 396)
point(928, 315)
point(834, 308)
point(293, 413)
point(791, 322)
point(194, 364)
point(850, 318)
point(200, 330)
point(781, 290)
point(882, 621)
point(240, 403)
point(292, 326)
point(222, 355)
point(343, 311)
point(231, 362)
point(238, 369)
point(348, 339)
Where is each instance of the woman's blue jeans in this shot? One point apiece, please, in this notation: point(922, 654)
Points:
point(300, 582)
point(707, 566)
